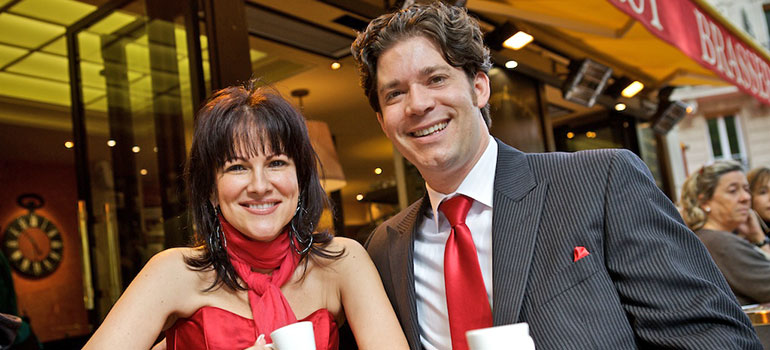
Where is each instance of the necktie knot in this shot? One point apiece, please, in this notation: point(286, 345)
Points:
point(456, 209)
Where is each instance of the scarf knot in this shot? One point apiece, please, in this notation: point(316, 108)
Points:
point(269, 307)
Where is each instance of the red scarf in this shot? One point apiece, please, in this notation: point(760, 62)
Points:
point(269, 307)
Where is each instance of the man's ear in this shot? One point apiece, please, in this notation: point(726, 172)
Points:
point(379, 119)
point(481, 89)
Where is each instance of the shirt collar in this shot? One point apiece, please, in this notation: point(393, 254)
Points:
point(476, 184)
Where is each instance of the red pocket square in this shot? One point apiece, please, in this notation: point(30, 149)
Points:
point(580, 252)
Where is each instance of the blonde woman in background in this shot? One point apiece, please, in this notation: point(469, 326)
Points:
point(759, 183)
point(716, 204)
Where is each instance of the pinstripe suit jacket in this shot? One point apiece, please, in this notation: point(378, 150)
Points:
point(648, 282)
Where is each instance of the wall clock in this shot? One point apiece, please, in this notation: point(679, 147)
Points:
point(32, 243)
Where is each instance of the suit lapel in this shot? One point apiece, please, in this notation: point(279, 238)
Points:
point(401, 238)
point(517, 204)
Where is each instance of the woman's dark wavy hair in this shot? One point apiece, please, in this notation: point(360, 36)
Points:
point(243, 121)
point(450, 27)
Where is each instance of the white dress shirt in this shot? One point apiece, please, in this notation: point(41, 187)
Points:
point(429, 249)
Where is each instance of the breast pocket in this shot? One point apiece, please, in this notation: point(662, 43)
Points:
point(561, 281)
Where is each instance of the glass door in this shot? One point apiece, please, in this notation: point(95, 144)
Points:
point(135, 89)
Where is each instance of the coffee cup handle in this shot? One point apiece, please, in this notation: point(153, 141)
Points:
point(270, 346)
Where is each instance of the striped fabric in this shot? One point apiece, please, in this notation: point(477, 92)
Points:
point(648, 282)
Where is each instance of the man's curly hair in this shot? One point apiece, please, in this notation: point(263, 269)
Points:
point(451, 28)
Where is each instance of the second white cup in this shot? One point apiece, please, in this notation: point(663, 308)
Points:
point(508, 337)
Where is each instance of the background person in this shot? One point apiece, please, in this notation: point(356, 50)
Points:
point(255, 198)
point(716, 204)
point(759, 184)
point(584, 247)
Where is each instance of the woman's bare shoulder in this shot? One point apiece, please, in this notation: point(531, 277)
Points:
point(172, 265)
point(350, 253)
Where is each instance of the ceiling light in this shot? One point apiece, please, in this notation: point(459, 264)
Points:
point(378, 171)
point(518, 40)
point(620, 106)
point(507, 35)
point(336, 65)
point(359, 197)
point(135, 149)
point(511, 64)
point(143, 171)
point(632, 89)
point(111, 143)
point(69, 144)
point(570, 135)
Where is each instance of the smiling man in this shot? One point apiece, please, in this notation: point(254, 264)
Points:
point(583, 246)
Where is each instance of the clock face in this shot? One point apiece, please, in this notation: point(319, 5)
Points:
point(33, 245)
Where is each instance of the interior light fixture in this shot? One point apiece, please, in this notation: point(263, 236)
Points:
point(111, 143)
point(135, 149)
point(511, 64)
point(359, 197)
point(570, 135)
point(336, 65)
point(509, 36)
point(585, 82)
point(620, 106)
point(333, 178)
point(691, 107)
point(69, 144)
point(632, 89)
point(378, 170)
point(518, 40)
point(143, 171)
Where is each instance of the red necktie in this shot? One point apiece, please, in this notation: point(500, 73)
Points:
point(466, 296)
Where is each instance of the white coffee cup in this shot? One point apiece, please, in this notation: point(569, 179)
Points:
point(296, 336)
point(507, 337)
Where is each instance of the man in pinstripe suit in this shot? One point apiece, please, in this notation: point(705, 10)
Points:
point(582, 246)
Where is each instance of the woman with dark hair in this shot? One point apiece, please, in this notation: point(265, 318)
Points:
point(716, 204)
point(258, 264)
point(759, 183)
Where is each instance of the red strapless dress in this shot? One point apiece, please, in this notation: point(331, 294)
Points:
point(212, 328)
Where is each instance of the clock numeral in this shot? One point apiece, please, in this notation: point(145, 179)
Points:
point(16, 255)
point(47, 264)
point(37, 268)
point(24, 266)
point(12, 244)
point(56, 244)
point(45, 224)
point(54, 255)
point(33, 220)
point(52, 233)
point(14, 231)
point(22, 224)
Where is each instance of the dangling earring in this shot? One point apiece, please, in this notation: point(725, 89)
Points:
point(217, 237)
point(707, 210)
point(294, 234)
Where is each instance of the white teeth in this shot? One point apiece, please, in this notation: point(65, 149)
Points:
point(261, 206)
point(430, 130)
